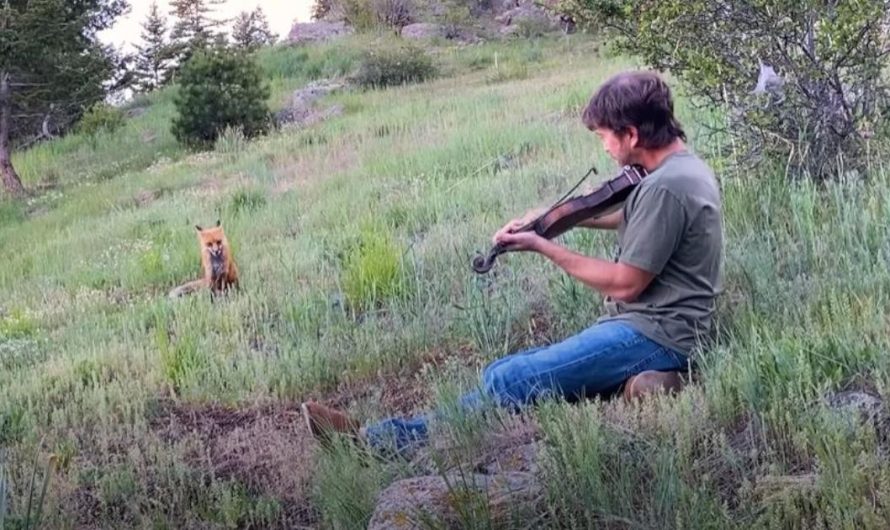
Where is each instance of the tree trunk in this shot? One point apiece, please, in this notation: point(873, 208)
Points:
point(11, 181)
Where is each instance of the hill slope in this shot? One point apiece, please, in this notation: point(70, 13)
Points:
point(354, 237)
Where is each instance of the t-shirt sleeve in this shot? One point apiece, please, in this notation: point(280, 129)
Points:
point(653, 230)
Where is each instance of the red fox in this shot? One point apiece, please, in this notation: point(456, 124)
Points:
point(220, 270)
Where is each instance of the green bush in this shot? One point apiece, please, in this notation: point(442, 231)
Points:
point(801, 83)
point(220, 88)
point(394, 65)
point(372, 270)
point(358, 14)
point(101, 117)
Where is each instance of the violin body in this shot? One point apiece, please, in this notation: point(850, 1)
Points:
point(566, 214)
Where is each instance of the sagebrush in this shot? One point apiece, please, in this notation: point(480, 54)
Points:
point(803, 85)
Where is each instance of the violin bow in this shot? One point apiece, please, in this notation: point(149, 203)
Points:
point(483, 264)
point(561, 199)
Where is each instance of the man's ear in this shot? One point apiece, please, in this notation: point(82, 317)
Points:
point(633, 136)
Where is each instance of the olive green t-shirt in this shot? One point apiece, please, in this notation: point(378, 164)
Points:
point(672, 227)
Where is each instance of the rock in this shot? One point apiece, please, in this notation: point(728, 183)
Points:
point(301, 111)
point(135, 112)
point(414, 502)
point(423, 30)
point(527, 13)
point(303, 32)
point(521, 458)
point(867, 405)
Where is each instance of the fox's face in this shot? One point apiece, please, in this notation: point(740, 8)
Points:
point(213, 240)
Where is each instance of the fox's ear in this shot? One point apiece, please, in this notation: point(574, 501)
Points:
point(218, 222)
point(198, 228)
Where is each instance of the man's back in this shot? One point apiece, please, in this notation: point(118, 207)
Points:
point(672, 227)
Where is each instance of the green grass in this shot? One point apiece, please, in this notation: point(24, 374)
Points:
point(354, 239)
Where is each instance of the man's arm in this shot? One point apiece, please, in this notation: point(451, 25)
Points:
point(609, 221)
point(619, 280)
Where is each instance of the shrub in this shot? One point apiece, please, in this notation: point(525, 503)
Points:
point(800, 82)
point(100, 117)
point(394, 65)
point(220, 88)
point(366, 15)
point(358, 14)
point(394, 13)
point(321, 8)
point(248, 199)
point(372, 269)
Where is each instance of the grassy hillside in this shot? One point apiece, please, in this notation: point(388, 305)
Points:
point(354, 238)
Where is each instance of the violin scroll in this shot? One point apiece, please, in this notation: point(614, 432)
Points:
point(483, 264)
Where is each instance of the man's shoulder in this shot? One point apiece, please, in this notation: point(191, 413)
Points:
point(686, 176)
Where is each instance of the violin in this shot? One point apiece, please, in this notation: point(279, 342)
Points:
point(568, 212)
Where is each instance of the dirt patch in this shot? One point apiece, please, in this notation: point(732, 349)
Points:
point(266, 448)
point(401, 392)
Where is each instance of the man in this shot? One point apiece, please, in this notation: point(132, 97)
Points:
point(659, 293)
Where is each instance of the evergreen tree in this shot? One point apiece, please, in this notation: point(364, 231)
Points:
point(194, 27)
point(220, 87)
point(52, 67)
point(252, 31)
point(155, 57)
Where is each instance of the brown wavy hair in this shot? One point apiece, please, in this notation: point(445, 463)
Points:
point(640, 99)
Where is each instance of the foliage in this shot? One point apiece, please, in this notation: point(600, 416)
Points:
point(394, 64)
point(39, 97)
point(372, 269)
point(366, 15)
point(101, 117)
point(155, 57)
point(321, 8)
point(394, 13)
point(194, 27)
point(90, 347)
point(251, 30)
point(358, 14)
point(220, 88)
point(801, 82)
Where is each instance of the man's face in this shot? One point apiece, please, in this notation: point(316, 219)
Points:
point(619, 146)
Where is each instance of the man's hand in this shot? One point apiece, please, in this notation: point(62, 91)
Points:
point(516, 224)
point(528, 240)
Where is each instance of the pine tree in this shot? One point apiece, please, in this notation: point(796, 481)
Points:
point(194, 28)
point(220, 88)
point(155, 57)
point(52, 67)
point(252, 31)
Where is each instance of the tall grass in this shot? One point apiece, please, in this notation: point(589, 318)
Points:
point(354, 239)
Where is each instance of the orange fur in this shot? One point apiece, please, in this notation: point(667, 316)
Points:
point(217, 262)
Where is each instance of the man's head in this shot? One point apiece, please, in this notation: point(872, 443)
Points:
point(633, 112)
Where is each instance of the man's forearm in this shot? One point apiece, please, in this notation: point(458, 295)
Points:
point(609, 278)
point(609, 221)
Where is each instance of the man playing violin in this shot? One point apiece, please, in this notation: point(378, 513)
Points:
point(659, 293)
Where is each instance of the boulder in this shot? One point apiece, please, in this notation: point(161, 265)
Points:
point(303, 32)
point(867, 406)
point(301, 109)
point(415, 502)
point(423, 30)
point(517, 13)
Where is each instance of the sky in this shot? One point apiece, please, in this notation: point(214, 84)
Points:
point(280, 13)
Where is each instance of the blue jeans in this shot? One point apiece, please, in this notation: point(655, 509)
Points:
point(596, 361)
